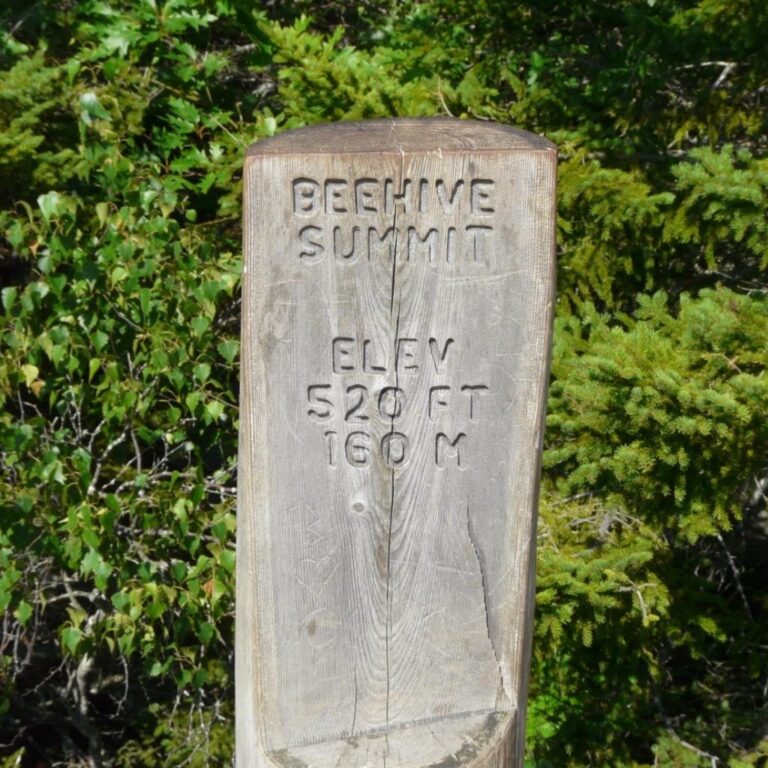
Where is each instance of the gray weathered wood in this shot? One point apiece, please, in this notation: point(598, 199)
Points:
point(397, 303)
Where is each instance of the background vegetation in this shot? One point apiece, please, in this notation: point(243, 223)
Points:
point(122, 131)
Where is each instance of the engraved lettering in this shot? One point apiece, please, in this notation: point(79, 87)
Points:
point(359, 394)
point(472, 390)
point(480, 195)
point(358, 401)
point(368, 365)
point(438, 398)
point(423, 195)
point(438, 357)
point(416, 242)
point(334, 199)
point(338, 246)
point(391, 199)
point(358, 448)
point(313, 249)
point(479, 233)
point(391, 401)
point(330, 438)
point(321, 407)
point(342, 354)
point(405, 355)
point(394, 449)
point(306, 197)
point(376, 242)
point(448, 201)
point(364, 196)
point(446, 448)
point(450, 245)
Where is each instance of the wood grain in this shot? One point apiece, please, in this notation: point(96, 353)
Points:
point(397, 303)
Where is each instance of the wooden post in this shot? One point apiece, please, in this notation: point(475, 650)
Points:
point(397, 304)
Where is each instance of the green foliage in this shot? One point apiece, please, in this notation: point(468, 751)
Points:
point(343, 83)
point(33, 137)
point(122, 130)
point(117, 381)
point(600, 595)
point(167, 741)
point(724, 207)
point(611, 224)
point(656, 427)
point(664, 414)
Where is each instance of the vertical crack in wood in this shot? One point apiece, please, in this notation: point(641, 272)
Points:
point(388, 622)
point(388, 617)
point(501, 691)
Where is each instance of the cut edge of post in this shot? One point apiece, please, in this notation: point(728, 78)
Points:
point(491, 743)
point(402, 135)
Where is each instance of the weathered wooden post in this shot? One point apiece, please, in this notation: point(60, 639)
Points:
point(397, 303)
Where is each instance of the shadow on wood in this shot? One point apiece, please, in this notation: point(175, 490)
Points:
point(397, 303)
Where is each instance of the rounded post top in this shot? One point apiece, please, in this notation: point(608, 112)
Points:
point(401, 135)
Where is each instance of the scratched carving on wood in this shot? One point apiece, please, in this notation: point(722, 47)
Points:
point(397, 306)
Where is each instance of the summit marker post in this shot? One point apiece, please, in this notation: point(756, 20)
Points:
point(397, 303)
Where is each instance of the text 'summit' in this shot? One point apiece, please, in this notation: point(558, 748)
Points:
point(418, 220)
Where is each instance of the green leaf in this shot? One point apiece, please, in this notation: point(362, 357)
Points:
point(92, 108)
point(99, 340)
point(8, 297)
point(145, 296)
point(192, 400)
point(23, 612)
point(92, 558)
point(227, 559)
point(156, 669)
point(102, 212)
point(31, 372)
point(214, 409)
point(93, 365)
point(202, 371)
point(71, 637)
point(50, 204)
point(229, 349)
point(120, 600)
point(200, 325)
point(205, 632)
point(113, 503)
